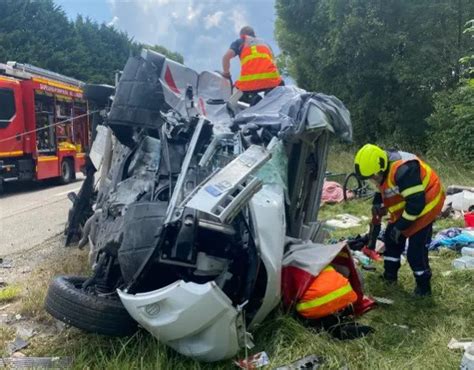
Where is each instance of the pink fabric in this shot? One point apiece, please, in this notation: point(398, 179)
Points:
point(332, 192)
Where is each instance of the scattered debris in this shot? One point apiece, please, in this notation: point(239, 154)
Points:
point(453, 238)
point(345, 221)
point(332, 193)
point(464, 263)
point(401, 326)
point(5, 306)
point(16, 345)
point(3, 283)
point(4, 319)
point(460, 344)
point(5, 263)
point(469, 219)
point(383, 300)
point(253, 362)
point(467, 362)
point(15, 362)
point(311, 362)
point(362, 258)
point(18, 316)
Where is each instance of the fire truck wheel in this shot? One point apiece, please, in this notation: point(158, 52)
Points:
point(67, 171)
point(100, 314)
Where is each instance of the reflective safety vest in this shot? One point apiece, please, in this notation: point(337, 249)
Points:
point(258, 70)
point(394, 200)
point(329, 292)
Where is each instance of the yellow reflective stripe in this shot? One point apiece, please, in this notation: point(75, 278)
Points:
point(255, 56)
point(259, 76)
point(413, 190)
point(432, 204)
point(397, 207)
point(253, 49)
point(426, 180)
point(427, 208)
point(328, 268)
point(11, 154)
point(409, 217)
point(325, 299)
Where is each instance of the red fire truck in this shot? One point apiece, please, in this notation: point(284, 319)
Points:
point(44, 124)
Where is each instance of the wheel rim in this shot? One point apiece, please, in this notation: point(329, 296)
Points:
point(66, 170)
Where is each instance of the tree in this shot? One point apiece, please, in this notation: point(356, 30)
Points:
point(39, 33)
point(384, 58)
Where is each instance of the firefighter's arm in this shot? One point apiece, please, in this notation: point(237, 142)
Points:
point(408, 180)
point(226, 62)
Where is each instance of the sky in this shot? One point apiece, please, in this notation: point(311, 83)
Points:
point(200, 30)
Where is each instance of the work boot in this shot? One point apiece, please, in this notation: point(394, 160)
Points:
point(422, 289)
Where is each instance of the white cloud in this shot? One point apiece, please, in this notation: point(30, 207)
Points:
point(113, 22)
point(200, 30)
point(239, 17)
point(213, 20)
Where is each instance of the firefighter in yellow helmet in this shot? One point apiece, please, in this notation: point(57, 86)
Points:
point(258, 70)
point(411, 192)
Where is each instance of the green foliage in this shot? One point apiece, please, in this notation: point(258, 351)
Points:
point(384, 59)
point(452, 125)
point(39, 33)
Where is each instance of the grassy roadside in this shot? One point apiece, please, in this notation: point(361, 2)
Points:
point(412, 333)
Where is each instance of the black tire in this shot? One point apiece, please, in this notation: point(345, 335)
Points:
point(351, 184)
point(67, 171)
point(67, 302)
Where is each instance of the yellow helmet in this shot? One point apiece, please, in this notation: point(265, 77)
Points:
point(370, 160)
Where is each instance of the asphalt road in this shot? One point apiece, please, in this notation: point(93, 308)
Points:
point(32, 213)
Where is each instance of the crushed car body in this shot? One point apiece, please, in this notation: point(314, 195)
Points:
point(197, 197)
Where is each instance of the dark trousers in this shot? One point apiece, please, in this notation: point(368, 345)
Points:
point(417, 254)
point(253, 97)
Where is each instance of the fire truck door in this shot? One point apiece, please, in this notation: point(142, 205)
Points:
point(45, 138)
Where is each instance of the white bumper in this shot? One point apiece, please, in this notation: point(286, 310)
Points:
point(196, 320)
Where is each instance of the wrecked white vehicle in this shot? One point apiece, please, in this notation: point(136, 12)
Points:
point(187, 229)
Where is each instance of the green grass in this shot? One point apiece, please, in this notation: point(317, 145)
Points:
point(431, 322)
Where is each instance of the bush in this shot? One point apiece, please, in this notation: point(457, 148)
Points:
point(452, 125)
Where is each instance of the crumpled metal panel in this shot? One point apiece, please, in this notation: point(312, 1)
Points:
point(196, 320)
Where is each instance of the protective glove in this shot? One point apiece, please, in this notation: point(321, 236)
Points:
point(395, 235)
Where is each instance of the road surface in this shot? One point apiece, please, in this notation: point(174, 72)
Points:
point(33, 213)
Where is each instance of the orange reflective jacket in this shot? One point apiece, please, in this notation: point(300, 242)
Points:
point(394, 200)
point(258, 70)
point(328, 293)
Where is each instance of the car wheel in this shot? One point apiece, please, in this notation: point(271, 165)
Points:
point(67, 171)
point(69, 303)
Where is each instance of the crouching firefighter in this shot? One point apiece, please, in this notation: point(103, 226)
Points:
point(413, 195)
point(329, 293)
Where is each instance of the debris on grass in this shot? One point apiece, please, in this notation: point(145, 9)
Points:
point(36, 362)
point(17, 344)
point(311, 362)
point(253, 362)
point(460, 344)
point(5, 264)
point(383, 300)
point(345, 221)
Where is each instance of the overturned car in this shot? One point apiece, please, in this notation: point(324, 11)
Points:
point(197, 197)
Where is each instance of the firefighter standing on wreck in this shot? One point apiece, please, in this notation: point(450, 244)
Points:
point(258, 70)
point(413, 195)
